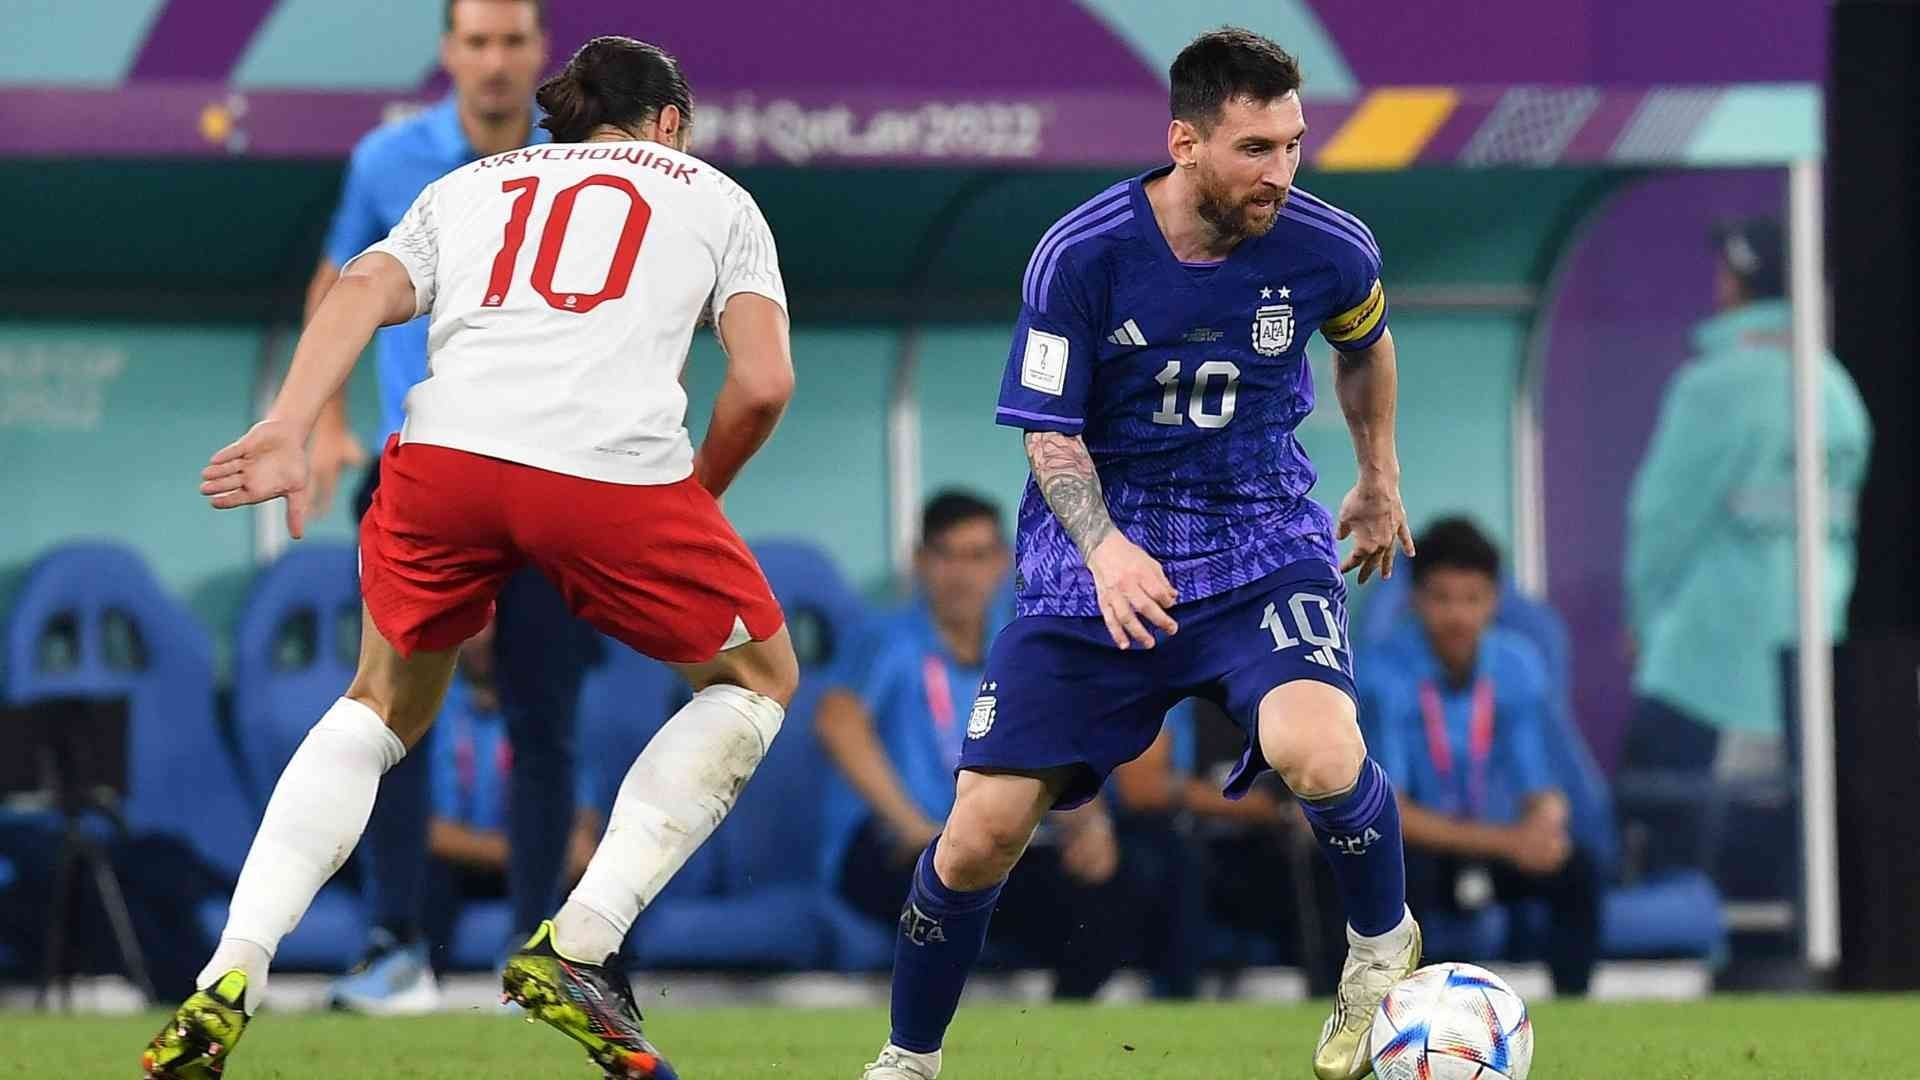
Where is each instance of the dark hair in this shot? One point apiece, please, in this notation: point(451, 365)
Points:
point(954, 507)
point(1455, 543)
point(1224, 64)
point(1755, 249)
point(539, 11)
point(612, 80)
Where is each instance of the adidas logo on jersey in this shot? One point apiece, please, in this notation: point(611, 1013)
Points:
point(1324, 657)
point(1128, 334)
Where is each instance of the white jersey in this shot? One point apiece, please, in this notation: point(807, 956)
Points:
point(564, 284)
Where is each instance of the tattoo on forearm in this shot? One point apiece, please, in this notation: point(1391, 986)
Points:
point(1064, 471)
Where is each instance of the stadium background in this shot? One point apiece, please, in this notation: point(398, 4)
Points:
point(1541, 178)
point(181, 158)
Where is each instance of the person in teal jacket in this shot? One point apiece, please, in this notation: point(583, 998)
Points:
point(1710, 562)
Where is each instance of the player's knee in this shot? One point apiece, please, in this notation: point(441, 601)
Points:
point(408, 725)
point(772, 670)
point(1325, 769)
point(978, 853)
point(781, 677)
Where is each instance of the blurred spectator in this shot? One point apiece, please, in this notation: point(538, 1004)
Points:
point(1249, 865)
point(1457, 711)
point(894, 729)
point(1710, 536)
point(471, 764)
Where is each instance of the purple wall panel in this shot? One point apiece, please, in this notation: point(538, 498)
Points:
point(1487, 42)
point(1619, 325)
point(935, 46)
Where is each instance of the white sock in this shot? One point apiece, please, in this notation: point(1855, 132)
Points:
point(678, 791)
point(249, 957)
point(1387, 944)
point(318, 811)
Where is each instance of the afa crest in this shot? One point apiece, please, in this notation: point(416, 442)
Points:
point(981, 720)
point(1273, 329)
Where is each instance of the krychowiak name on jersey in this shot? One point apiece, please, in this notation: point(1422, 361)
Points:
point(564, 283)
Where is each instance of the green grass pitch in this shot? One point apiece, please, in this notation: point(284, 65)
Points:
point(1776, 1038)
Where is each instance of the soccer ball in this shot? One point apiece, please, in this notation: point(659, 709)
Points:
point(1452, 1022)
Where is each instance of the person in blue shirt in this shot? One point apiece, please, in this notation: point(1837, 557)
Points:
point(471, 763)
point(493, 51)
point(1457, 712)
point(894, 728)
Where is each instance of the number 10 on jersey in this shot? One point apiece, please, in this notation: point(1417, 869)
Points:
point(554, 235)
point(1203, 377)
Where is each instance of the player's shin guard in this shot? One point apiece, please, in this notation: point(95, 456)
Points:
point(940, 937)
point(1359, 831)
point(678, 791)
point(318, 810)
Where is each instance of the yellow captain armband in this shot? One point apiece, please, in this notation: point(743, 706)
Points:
point(1355, 324)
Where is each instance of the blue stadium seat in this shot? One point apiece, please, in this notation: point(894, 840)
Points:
point(481, 935)
point(774, 835)
point(295, 647)
point(623, 702)
point(90, 620)
point(759, 904)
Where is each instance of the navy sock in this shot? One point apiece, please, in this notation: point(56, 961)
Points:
point(940, 936)
point(1359, 832)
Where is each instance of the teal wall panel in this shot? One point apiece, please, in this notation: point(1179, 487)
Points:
point(73, 42)
point(822, 477)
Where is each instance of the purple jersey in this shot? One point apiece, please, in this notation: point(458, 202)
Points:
point(1186, 383)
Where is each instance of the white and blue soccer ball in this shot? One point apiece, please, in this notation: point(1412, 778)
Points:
point(1452, 1022)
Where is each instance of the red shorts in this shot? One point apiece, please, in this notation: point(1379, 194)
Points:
point(656, 566)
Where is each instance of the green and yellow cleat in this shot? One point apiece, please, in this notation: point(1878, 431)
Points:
point(195, 1043)
point(592, 1004)
point(1343, 1052)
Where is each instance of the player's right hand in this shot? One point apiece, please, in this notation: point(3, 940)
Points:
point(1131, 587)
point(268, 462)
point(335, 450)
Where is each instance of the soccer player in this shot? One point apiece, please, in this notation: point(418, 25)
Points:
point(493, 52)
point(564, 283)
point(1167, 547)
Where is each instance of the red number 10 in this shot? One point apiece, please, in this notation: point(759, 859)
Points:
point(554, 235)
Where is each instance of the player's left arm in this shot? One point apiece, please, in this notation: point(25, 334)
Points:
point(1366, 380)
point(758, 386)
point(749, 305)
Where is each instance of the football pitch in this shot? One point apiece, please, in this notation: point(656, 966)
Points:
point(1772, 1038)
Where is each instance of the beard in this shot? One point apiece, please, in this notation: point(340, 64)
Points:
point(1234, 218)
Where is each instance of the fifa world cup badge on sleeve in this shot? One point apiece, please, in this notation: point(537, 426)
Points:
point(1044, 367)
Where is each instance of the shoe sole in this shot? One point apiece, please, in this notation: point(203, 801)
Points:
point(540, 1001)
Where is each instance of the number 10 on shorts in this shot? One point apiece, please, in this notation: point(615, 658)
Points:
point(1275, 622)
